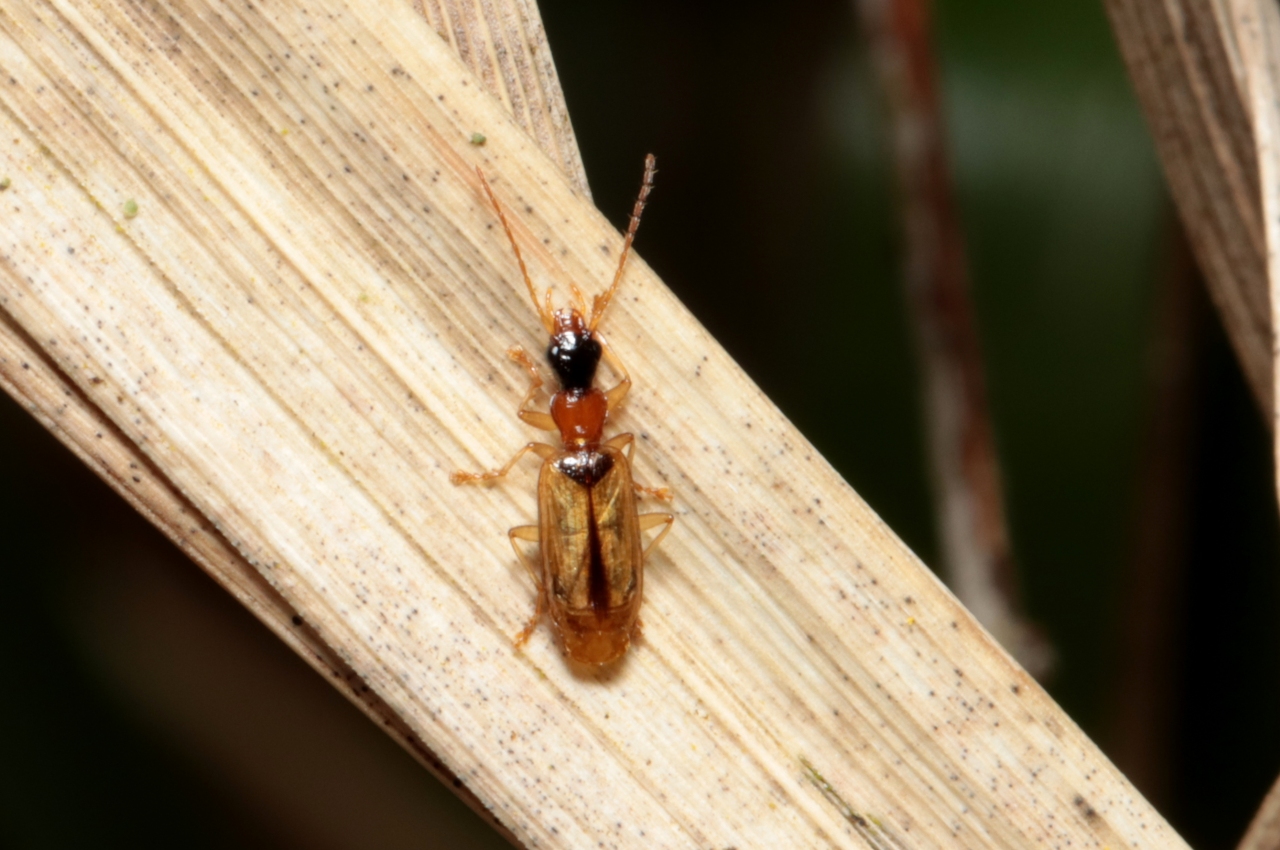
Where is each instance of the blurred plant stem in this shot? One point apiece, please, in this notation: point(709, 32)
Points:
point(1142, 734)
point(969, 501)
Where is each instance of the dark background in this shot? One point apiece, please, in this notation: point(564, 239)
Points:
point(143, 708)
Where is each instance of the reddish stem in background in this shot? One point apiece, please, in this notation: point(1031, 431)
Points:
point(966, 471)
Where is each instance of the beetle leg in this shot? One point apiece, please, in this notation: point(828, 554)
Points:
point(542, 450)
point(627, 443)
point(623, 442)
point(662, 494)
point(529, 627)
point(648, 521)
point(528, 533)
point(614, 396)
point(539, 419)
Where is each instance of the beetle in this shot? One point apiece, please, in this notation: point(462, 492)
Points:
point(590, 570)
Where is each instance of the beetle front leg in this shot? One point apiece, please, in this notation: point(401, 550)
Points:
point(539, 419)
point(614, 396)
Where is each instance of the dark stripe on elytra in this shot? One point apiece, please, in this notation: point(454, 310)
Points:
point(597, 584)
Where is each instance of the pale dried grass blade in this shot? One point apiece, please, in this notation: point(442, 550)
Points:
point(252, 236)
point(1249, 33)
point(1185, 66)
point(28, 375)
point(504, 44)
point(1264, 831)
point(1255, 30)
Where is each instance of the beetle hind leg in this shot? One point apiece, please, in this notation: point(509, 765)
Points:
point(648, 521)
point(529, 534)
point(529, 627)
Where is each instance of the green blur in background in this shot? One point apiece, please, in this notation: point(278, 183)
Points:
point(145, 709)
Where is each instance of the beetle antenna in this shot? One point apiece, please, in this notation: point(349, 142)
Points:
point(544, 312)
point(600, 302)
point(579, 302)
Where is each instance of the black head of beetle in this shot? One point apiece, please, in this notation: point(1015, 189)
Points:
point(574, 353)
